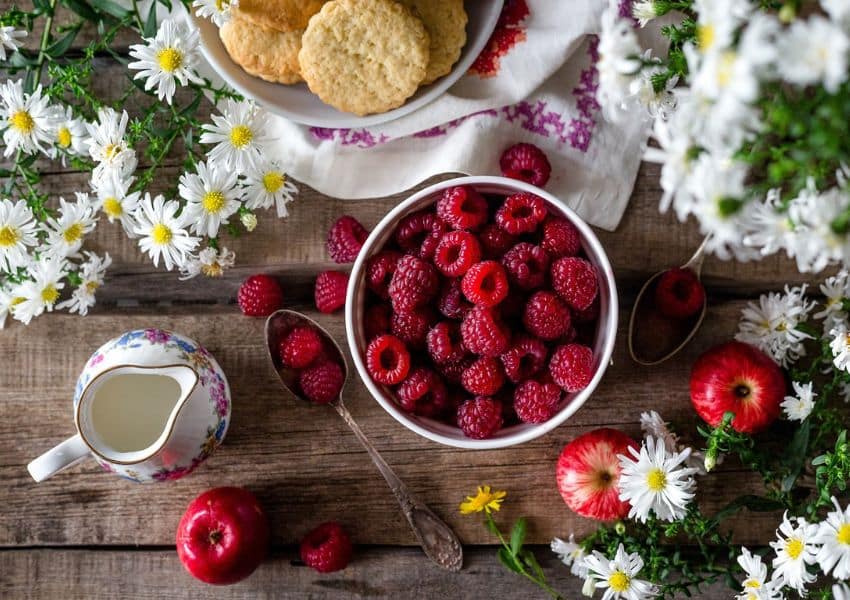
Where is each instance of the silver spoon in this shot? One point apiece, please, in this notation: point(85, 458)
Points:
point(654, 338)
point(437, 539)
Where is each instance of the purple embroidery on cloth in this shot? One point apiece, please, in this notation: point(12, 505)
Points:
point(443, 129)
point(362, 138)
point(581, 128)
point(625, 11)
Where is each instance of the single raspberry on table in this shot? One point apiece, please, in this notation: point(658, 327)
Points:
point(526, 162)
point(679, 294)
point(451, 302)
point(322, 382)
point(485, 283)
point(259, 296)
point(387, 360)
point(521, 213)
point(376, 320)
point(327, 548)
point(345, 239)
point(575, 281)
point(412, 327)
point(379, 272)
point(484, 377)
point(484, 333)
point(452, 371)
point(462, 208)
point(536, 402)
point(422, 393)
point(546, 316)
point(571, 366)
point(300, 347)
point(456, 253)
point(495, 241)
point(560, 237)
point(526, 265)
point(445, 343)
point(413, 283)
point(479, 418)
point(525, 358)
point(330, 291)
point(420, 232)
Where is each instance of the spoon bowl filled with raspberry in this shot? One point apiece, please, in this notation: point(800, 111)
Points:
point(499, 312)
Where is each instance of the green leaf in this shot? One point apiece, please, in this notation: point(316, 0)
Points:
point(750, 502)
point(529, 559)
point(82, 9)
point(509, 561)
point(150, 24)
point(111, 8)
point(794, 456)
point(518, 535)
point(60, 46)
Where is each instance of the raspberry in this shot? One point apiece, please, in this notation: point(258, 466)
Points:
point(546, 316)
point(327, 548)
point(300, 347)
point(495, 241)
point(526, 265)
point(574, 279)
point(462, 208)
point(679, 294)
point(484, 377)
point(379, 272)
point(420, 232)
point(322, 382)
point(330, 291)
point(259, 296)
point(376, 321)
point(526, 162)
point(483, 332)
point(485, 283)
point(412, 327)
point(444, 343)
point(413, 284)
point(456, 253)
point(451, 302)
point(521, 213)
point(345, 239)
point(452, 371)
point(480, 417)
point(387, 360)
point(571, 367)
point(536, 402)
point(423, 393)
point(525, 359)
point(560, 237)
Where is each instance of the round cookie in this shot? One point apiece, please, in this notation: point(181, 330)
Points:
point(445, 21)
point(364, 56)
point(262, 52)
point(283, 15)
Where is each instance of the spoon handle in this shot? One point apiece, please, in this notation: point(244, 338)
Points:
point(437, 539)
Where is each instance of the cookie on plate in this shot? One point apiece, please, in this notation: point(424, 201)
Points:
point(364, 56)
point(283, 15)
point(445, 21)
point(262, 52)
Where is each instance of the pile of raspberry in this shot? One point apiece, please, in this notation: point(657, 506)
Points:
point(318, 374)
point(481, 312)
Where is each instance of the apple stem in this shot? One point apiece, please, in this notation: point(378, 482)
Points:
point(215, 537)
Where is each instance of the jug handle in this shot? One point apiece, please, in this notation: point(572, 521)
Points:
point(65, 455)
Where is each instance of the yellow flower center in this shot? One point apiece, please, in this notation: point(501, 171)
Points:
point(241, 136)
point(9, 236)
point(161, 234)
point(213, 201)
point(656, 480)
point(112, 207)
point(16, 301)
point(705, 36)
point(73, 233)
point(111, 151)
point(63, 137)
point(619, 581)
point(213, 270)
point(843, 535)
point(220, 5)
point(724, 71)
point(22, 121)
point(794, 548)
point(91, 286)
point(50, 294)
point(169, 59)
point(273, 181)
point(752, 584)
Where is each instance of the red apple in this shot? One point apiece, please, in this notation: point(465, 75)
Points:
point(223, 535)
point(588, 474)
point(738, 378)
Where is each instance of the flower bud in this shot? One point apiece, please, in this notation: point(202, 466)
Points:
point(620, 527)
point(249, 221)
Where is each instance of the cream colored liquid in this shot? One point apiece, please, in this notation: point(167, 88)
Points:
point(129, 412)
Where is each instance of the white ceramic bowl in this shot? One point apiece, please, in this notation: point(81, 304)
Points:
point(297, 103)
point(603, 345)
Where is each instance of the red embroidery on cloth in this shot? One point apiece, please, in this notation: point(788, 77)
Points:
point(508, 33)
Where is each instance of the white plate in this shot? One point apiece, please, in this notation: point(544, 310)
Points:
point(297, 103)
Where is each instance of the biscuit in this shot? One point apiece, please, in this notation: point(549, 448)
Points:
point(445, 21)
point(262, 52)
point(364, 56)
point(283, 15)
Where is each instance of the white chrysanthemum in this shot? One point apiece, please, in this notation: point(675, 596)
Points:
point(217, 11)
point(571, 554)
point(660, 104)
point(644, 11)
point(108, 147)
point(266, 185)
point(841, 591)
point(76, 220)
point(211, 195)
point(799, 406)
point(619, 62)
point(834, 290)
point(795, 550)
point(717, 22)
point(840, 346)
point(814, 50)
point(834, 537)
point(26, 118)
point(115, 201)
point(10, 39)
point(767, 227)
point(42, 291)
point(771, 325)
point(18, 230)
point(813, 214)
point(756, 585)
point(169, 57)
point(618, 577)
point(674, 154)
point(69, 134)
point(91, 274)
point(654, 480)
point(7, 301)
point(210, 262)
point(163, 234)
point(652, 424)
point(239, 135)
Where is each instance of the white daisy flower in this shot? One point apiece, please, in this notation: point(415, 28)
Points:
point(674, 153)
point(771, 325)
point(210, 262)
point(92, 273)
point(115, 202)
point(799, 407)
point(795, 550)
point(618, 577)
point(218, 11)
point(76, 220)
point(841, 591)
point(18, 230)
point(108, 147)
point(814, 50)
point(767, 227)
point(42, 291)
point(26, 118)
point(644, 11)
point(834, 290)
point(655, 481)
point(660, 104)
point(168, 58)
point(571, 554)
point(619, 62)
point(239, 134)
point(834, 537)
point(7, 301)
point(69, 134)
point(840, 346)
point(266, 185)
point(813, 214)
point(211, 195)
point(838, 10)
point(652, 424)
point(717, 22)
point(10, 39)
point(756, 585)
point(162, 233)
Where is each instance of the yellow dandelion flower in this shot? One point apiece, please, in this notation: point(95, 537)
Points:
point(484, 500)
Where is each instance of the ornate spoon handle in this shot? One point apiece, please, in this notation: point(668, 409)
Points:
point(437, 539)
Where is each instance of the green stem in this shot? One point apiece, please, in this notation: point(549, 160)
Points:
point(45, 39)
